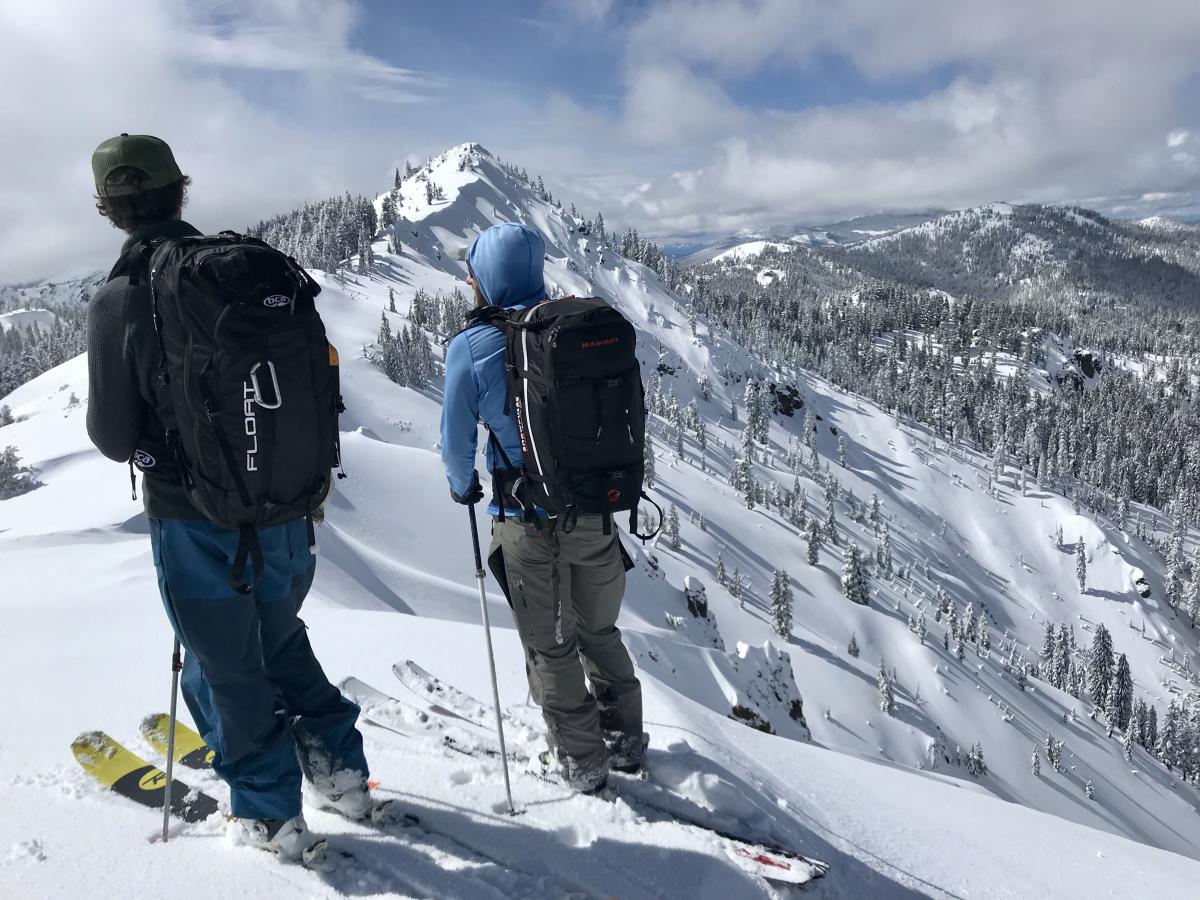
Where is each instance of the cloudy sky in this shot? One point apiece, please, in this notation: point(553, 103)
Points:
point(684, 118)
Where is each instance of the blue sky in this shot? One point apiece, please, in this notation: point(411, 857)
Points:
point(684, 118)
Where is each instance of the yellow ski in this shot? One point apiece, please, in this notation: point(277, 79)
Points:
point(124, 772)
point(190, 749)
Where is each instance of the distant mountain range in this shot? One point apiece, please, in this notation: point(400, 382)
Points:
point(999, 251)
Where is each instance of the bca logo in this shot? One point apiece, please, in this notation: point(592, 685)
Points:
point(274, 301)
point(144, 460)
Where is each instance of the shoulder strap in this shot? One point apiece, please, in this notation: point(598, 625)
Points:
point(484, 315)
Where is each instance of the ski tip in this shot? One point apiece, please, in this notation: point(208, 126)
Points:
point(89, 744)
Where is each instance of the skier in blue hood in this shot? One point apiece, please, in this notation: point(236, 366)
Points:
point(565, 587)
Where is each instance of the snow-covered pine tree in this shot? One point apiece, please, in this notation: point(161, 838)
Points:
point(841, 450)
point(813, 542)
point(746, 442)
point(750, 489)
point(887, 695)
point(1048, 644)
point(781, 603)
point(1035, 765)
point(1081, 564)
point(648, 460)
point(855, 586)
point(391, 299)
point(976, 767)
point(1122, 693)
point(852, 647)
point(1127, 745)
point(719, 573)
point(831, 532)
point(671, 528)
point(885, 552)
point(798, 505)
point(1088, 790)
point(1058, 537)
point(1192, 597)
point(737, 586)
point(1062, 660)
point(15, 479)
point(1100, 666)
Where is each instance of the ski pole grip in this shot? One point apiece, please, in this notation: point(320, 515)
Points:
point(475, 543)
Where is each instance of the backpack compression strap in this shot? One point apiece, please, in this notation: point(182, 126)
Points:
point(249, 547)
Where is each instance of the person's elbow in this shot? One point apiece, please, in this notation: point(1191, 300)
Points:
point(114, 444)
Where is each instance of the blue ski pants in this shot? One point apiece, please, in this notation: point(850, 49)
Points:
point(255, 690)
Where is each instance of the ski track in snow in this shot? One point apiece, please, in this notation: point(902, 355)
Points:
point(85, 645)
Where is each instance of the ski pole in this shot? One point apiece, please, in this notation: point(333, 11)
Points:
point(487, 633)
point(176, 666)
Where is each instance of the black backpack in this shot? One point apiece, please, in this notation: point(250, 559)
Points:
point(249, 389)
point(575, 388)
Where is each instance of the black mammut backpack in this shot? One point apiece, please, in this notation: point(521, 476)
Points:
point(249, 389)
point(575, 387)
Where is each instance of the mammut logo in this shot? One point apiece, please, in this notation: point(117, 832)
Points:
point(614, 495)
point(144, 460)
point(277, 300)
point(599, 342)
point(251, 426)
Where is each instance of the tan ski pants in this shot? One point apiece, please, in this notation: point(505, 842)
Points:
point(565, 589)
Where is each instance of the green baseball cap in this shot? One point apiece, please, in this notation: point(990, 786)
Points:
point(138, 151)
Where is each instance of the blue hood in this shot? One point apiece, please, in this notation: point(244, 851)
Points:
point(507, 263)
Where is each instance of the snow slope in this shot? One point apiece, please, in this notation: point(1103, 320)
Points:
point(85, 645)
point(26, 318)
point(750, 249)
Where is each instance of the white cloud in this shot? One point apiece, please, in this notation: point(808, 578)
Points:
point(1051, 102)
point(667, 104)
point(585, 10)
point(72, 74)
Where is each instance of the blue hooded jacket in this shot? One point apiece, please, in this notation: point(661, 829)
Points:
point(507, 264)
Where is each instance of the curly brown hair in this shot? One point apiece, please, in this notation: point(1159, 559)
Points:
point(131, 212)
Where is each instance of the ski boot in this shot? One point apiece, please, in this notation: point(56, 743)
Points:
point(590, 780)
point(358, 805)
point(627, 751)
point(289, 839)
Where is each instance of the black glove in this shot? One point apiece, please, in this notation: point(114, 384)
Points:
point(472, 495)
